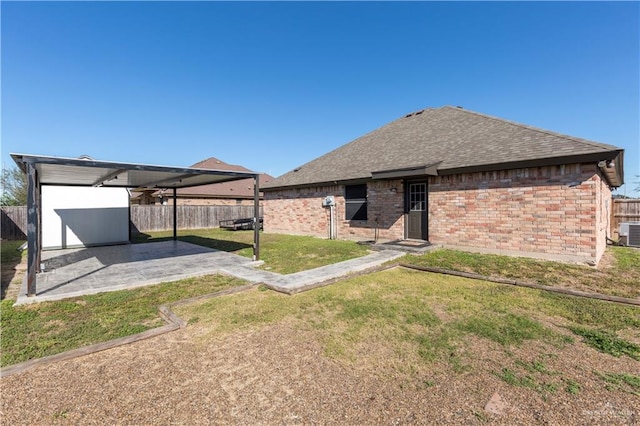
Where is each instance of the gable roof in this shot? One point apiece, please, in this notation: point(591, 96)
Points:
point(443, 141)
point(235, 189)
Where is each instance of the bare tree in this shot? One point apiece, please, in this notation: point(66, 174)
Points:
point(14, 187)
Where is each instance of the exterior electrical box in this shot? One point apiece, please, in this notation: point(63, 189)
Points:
point(329, 201)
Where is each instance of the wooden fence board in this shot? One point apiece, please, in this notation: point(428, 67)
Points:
point(13, 224)
point(623, 210)
point(142, 218)
point(160, 218)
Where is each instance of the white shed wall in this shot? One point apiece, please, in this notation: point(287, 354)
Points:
point(84, 216)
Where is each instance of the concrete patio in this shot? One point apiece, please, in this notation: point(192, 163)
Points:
point(77, 272)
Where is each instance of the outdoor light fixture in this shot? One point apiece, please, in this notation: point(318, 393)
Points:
point(606, 164)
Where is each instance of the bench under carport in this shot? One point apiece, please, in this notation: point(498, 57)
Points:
point(236, 224)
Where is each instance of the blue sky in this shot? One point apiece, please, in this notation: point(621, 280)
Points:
point(274, 85)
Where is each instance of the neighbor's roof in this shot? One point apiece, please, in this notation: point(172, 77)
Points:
point(235, 189)
point(447, 140)
point(89, 172)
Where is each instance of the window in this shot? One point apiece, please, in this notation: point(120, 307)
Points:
point(418, 197)
point(356, 202)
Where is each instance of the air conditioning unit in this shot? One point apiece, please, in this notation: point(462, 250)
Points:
point(630, 234)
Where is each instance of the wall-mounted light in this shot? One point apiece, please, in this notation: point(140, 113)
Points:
point(394, 190)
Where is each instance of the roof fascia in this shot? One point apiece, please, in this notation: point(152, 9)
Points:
point(541, 162)
point(315, 184)
point(616, 156)
point(428, 170)
point(22, 159)
point(613, 170)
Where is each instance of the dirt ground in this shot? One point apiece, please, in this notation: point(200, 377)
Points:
point(279, 375)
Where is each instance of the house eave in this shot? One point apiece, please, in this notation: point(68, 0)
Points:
point(536, 162)
point(613, 175)
point(613, 170)
point(405, 172)
point(354, 181)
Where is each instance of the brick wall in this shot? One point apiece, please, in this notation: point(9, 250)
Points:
point(549, 210)
point(604, 206)
point(300, 211)
point(560, 211)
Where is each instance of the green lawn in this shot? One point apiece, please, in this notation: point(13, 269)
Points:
point(405, 322)
point(48, 328)
point(10, 257)
point(621, 278)
point(284, 254)
point(9, 251)
point(414, 319)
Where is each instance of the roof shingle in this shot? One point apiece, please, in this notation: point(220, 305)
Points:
point(235, 189)
point(451, 137)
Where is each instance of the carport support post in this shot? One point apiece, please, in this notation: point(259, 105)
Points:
point(33, 222)
point(175, 215)
point(256, 217)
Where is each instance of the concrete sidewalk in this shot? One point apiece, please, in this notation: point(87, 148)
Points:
point(77, 272)
point(306, 280)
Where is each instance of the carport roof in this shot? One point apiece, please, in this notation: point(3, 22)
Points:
point(46, 170)
point(89, 172)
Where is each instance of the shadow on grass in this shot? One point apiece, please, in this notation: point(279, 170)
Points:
point(10, 259)
point(222, 245)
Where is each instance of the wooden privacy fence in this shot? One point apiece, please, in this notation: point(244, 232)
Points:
point(14, 223)
point(142, 218)
point(160, 218)
point(624, 211)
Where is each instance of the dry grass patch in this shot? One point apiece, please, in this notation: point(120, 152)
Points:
point(404, 323)
point(42, 329)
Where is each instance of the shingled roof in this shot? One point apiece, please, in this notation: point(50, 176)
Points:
point(448, 140)
point(235, 189)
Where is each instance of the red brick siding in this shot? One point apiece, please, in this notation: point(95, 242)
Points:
point(605, 204)
point(550, 210)
point(300, 211)
point(558, 210)
point(385, 210)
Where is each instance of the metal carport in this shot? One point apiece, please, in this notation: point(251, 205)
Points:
point(49, 170)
